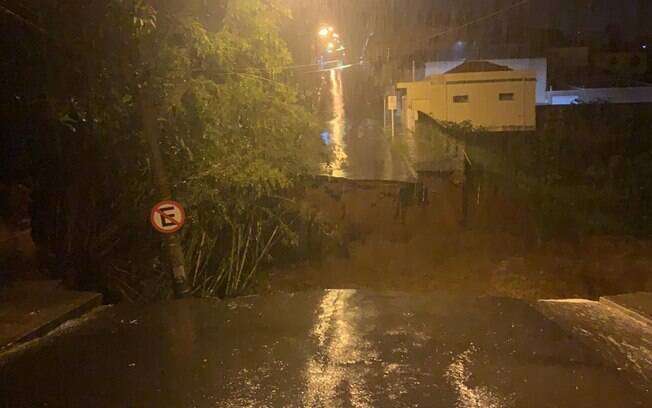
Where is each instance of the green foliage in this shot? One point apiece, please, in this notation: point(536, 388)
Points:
point(588, 170)
point(235, 135)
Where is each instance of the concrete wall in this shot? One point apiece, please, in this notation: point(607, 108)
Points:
point(484, 109)
point(538, 65)
point(435, 97)
point(392, 210)
point(415, 99)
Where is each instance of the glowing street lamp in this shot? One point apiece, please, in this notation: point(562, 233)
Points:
point(326, 31)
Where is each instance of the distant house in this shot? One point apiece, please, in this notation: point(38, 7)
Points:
point(538, 65)
point(494, 97)
point(622, 94)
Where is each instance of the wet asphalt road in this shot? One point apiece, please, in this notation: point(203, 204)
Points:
point(361, 149)
point(316, 349)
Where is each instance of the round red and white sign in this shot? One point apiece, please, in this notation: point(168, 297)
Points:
point(168, 217)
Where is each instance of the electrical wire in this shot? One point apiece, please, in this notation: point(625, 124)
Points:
point(28, 23)
point(465, 25)
point(479, 20)
point(247, 70)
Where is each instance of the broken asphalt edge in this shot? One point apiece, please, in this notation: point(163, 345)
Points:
point(634, 314)
point(93, 301)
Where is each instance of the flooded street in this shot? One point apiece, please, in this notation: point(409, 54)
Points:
point(361, 149)
point(337, 126)
point(326, 204)
point(341, 348)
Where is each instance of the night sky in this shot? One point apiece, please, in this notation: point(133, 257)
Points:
point(633, 16)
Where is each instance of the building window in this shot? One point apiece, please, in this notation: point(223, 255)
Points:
point(460, 98)
point(506, 97)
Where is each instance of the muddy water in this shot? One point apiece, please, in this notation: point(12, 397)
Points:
point(401, 236)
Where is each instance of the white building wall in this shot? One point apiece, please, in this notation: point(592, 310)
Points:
point(480, 94)
point(538, 65)
point(641, 94)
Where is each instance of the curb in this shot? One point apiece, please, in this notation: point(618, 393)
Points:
point(75, 311)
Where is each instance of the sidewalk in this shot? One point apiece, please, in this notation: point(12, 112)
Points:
point(33, 308)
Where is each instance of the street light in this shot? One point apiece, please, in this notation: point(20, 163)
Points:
point(325, 31)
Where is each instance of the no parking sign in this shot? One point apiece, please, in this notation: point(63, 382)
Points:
point(168, 217)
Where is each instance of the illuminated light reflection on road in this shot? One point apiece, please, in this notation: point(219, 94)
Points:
point(337, 124)
point(341, 354)
point(458, 375)
point(359, 147)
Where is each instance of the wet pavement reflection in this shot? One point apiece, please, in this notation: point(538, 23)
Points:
point(337, 126)
point(361, 148)
point(342, 348)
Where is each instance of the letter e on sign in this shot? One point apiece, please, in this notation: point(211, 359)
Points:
point(168, 217)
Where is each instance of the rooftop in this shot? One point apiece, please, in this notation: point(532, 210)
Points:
point(477, 66)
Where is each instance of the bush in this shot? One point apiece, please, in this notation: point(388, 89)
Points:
point(588, 172)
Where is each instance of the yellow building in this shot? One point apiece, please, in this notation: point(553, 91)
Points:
point(490, 96)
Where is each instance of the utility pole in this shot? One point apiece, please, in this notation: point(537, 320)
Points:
point(150, 105)
point(392, 106)
point(152, 133)
point(384, 112)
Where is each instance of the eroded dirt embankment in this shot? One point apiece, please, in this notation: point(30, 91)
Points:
point(394, 236)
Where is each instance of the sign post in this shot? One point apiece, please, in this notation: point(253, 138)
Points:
point(168, 218)
point(392, 106)
point(152, 135)
point(384, 113)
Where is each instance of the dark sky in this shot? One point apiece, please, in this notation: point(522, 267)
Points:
point(634, 16)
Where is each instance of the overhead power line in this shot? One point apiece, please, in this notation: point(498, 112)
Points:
point(43, 32)
point(479, 20)
point(29, 24)
point(467, 24)
point(248, 70)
